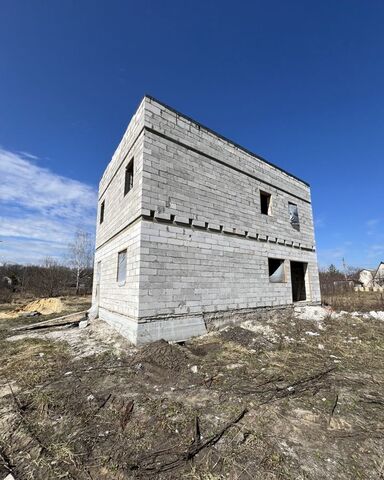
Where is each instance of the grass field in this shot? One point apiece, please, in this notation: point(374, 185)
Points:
point(278, 398)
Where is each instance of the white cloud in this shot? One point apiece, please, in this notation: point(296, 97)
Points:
point(39, 209)
point(26, 184)
point(372, 222)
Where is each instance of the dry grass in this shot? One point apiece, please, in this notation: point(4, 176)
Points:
point(352, 301)
point(314, 402)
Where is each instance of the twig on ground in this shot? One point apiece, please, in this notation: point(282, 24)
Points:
point(334, 407)
point(6, 461)
point(152, 465)
point(126, 414)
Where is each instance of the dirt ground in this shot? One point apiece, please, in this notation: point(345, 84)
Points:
point(296, 395)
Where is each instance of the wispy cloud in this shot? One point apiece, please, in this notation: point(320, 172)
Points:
point(371, 225)
point(320, 222)
point(330, 256)
point(376, 251)
point(39, 209)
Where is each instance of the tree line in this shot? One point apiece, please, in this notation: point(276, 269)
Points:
point(333, 280)
point(52, 278)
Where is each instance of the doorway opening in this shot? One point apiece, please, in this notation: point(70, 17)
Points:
point(298, 271)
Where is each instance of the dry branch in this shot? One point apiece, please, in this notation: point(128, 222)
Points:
point(157, 462)
point(128, 409)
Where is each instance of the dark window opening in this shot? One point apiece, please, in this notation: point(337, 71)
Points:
point(265, 203)
point(102, 208)
point(122, 267)
point(298, 272)
point(128, 182)
point(276, 270)
point(294, 215)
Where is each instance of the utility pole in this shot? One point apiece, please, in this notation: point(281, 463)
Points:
point(345, 269)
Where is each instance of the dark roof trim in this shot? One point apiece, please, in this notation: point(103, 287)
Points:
point(259, 157)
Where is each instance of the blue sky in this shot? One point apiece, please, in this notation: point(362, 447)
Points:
point(299, 82)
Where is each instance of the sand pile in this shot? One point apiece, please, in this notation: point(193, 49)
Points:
point(45, 306)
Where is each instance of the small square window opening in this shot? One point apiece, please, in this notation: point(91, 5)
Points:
point(276, 270)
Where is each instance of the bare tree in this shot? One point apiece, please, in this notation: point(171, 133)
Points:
point(47, 280)
point(81, 256)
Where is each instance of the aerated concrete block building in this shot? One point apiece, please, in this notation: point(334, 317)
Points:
point(193, 229)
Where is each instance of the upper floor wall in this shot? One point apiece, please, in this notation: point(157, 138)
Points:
point(183, 169)
point(191, 172)
point(122, 207)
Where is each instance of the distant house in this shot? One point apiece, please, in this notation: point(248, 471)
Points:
point(6, 281)
point(372, 278)
point(378, 278)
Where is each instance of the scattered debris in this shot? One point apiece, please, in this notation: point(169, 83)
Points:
point(31, 314)
point(83, 324)
point(314, 313)
point(377, 315)
point(64, 321)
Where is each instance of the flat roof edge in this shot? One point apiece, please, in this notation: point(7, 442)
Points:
point(240, 147)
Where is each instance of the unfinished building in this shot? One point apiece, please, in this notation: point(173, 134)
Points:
point(193, 229)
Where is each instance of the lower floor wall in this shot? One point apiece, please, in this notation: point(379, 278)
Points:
point(186, 270)
point(110, 294)
point(182, 281)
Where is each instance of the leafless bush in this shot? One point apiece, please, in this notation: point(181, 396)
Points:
point(5, 294)
point(335, 282)
point(48, 280)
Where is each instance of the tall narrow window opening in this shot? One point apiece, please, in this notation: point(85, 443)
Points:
point(294, 215)
point(265, 203)
point(102, 208)
point(128, 181)
point(121, 267)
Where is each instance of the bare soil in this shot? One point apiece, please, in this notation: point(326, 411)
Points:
point(278, 398)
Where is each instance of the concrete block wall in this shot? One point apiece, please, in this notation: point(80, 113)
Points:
point(120, 209)
point(197, 242)
point(224, 187)
point(119, 304)
point(193, 271)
